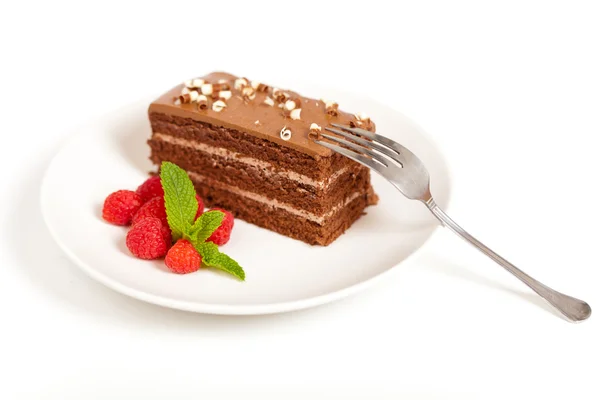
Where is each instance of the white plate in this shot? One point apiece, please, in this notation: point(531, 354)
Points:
point(282, 274)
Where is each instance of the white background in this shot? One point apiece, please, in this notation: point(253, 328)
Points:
point(510, 90)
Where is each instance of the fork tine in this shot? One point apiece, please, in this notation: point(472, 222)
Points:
point(393, 154)
point(401, 150)
point(358, 131)
point(358, 149)
point(359, 158)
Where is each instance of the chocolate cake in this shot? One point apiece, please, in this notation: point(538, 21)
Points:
point(248, 148)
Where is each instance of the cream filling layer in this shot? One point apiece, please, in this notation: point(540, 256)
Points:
point(318, 219)
point(266, 168)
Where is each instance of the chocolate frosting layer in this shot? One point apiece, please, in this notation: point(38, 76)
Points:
point(257, 118)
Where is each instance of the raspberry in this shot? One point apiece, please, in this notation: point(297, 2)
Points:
point(200, 207)
point(150, 189)
point(146, 239)
point(120, 206)
point(153, 208)
point(183, 258)
point(166, 232)
point(223, 232)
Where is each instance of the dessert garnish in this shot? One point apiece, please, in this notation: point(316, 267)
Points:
point(166, 209)
point(285, 133)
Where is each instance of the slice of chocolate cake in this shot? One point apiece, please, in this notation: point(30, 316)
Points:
point(246, 147)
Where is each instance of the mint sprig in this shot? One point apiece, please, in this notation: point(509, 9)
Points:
point(212, 257)
point(181, 207)
point(205, 225)
point(180, 199)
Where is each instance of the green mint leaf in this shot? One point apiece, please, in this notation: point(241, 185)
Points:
point(208, 251)
point(205, 225)
point(212, 257)
point(180, 199)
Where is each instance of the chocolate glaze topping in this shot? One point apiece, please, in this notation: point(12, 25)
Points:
point(250, 114)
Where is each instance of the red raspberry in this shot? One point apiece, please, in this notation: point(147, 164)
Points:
point(146, 239)
point(153, 208)
point(166, 231)
point(150, 189)
point(223, 232)
point(183, 258)
point(200, 207)
point(120, 206)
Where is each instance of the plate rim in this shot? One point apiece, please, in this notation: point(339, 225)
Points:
point(227, 309)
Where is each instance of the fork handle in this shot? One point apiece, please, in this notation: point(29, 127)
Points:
point(570, 307)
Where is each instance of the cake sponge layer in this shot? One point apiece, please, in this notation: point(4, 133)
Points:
point(315, 167)
point(282, 221)
point(253, 176)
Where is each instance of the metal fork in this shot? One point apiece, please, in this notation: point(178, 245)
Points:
point(408, 174)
